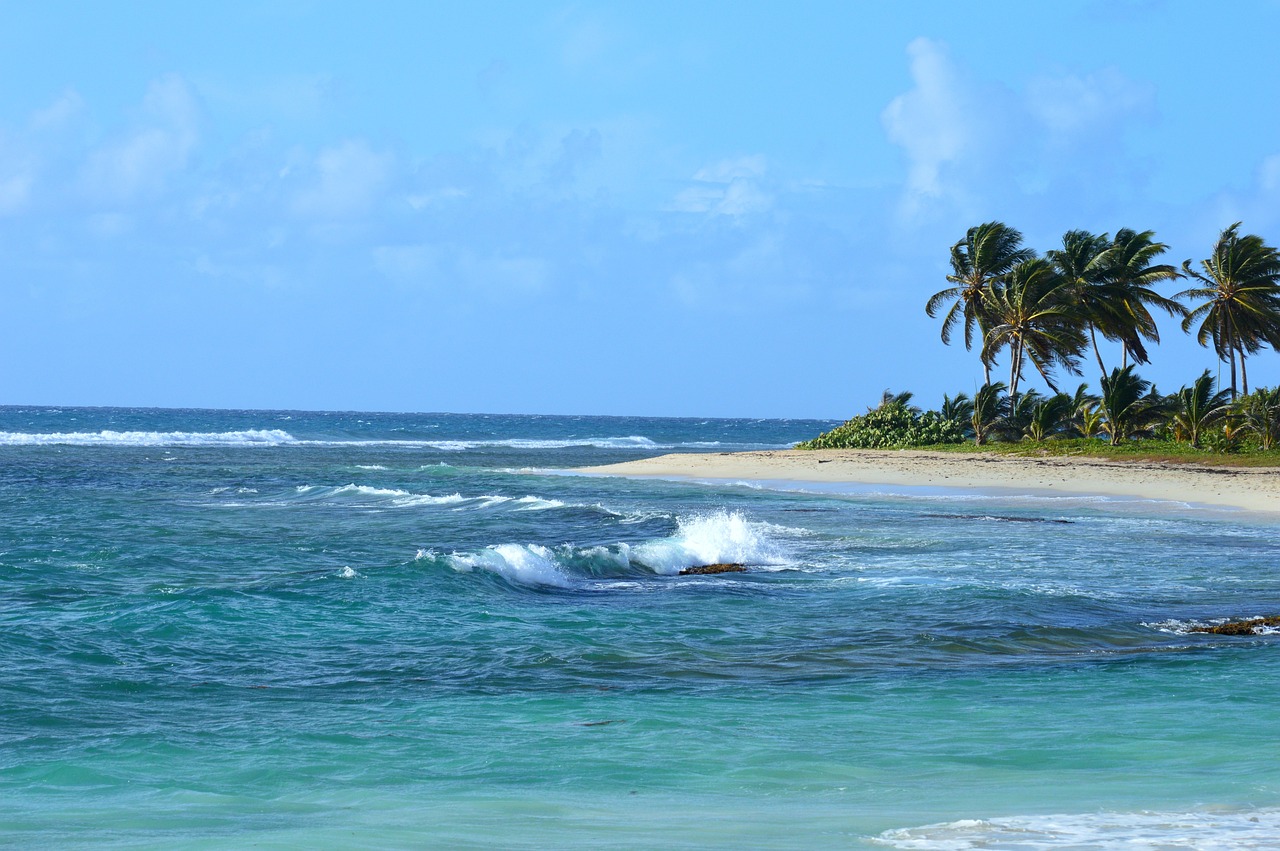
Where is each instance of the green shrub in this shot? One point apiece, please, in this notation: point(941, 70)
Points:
point(891, 426)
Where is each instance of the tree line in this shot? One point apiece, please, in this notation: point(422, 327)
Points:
point(1047, 312)
point(1050, 310)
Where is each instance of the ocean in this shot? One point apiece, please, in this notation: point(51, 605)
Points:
point(286, 629)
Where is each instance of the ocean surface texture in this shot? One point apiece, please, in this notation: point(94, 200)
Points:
point(284, 629)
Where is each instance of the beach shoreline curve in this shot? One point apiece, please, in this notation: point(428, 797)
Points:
point(1252, 489)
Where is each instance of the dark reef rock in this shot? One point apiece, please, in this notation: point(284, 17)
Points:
point(1239, 627)
point(713, 568)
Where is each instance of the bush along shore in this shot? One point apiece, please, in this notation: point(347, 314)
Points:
point(1129, 419)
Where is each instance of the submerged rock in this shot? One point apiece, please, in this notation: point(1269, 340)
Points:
point(1239, 627)
point(713, 568)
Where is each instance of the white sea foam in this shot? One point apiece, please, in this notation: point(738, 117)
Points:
point(1180, 627)
point(370, 467)
point(279, 437)
point(349, 573)
point(251, 437)
point(528, 565)
point(712, 538)
point(1228, 830)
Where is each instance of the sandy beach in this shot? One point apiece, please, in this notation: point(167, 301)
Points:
point(1254, 489)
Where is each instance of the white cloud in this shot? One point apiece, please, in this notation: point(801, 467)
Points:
point(141, 162)
point(729, 187)
point(58, 114)
point(932, 122)
point(1075, 105)
point(345, 181)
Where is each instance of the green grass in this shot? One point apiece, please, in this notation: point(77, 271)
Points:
point(1156, 451)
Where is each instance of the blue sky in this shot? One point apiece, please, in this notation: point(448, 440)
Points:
point(708, 209)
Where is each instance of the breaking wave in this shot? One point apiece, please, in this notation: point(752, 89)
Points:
point(279, 437)
point(252, 437)
point(700, 539)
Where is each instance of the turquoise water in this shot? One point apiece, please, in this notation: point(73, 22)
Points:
point(374, 630)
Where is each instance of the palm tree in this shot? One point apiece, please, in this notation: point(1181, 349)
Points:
point(1082, 262)
point(1131, 272)
point(959, 409)
point(1260, 413)
point(1240, 285)
point(1013, 427)
point(987, 252)
point(1129, 403)
point(989, 406)
point(1032, 313)
point(1048, 416)
point(1196, 408)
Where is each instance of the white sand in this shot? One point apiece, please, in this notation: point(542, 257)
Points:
point(1256, 489)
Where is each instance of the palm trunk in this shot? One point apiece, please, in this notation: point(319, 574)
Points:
point(1015, 368)
point(1124, 349)
point(1232, 353)
point(1102, 370)
point(1244, 376)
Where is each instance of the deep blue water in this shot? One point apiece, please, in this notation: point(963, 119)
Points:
point(289, 629)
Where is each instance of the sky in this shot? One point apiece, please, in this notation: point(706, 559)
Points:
point(648, 208)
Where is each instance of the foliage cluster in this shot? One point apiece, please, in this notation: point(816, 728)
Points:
point(1048, 311)
point(894, 424)
point(1196, 417)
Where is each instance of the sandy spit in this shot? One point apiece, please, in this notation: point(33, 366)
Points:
point(1254, 489)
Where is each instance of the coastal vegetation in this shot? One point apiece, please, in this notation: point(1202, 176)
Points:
point(1046, 313)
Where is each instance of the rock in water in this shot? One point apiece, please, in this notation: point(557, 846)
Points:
point(713, 568)
point(1239, 627)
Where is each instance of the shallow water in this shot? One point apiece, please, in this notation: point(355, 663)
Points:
point(289, 629)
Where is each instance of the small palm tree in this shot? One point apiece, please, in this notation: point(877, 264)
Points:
point(989, 407)
point(959, 409)
point(1034, 316)
point(1049, 416)
point(1259, 413)
point(1240, 285)
point(1129, 405)
point(1196, 409)
point(1091, 420)
point(1013, 427)
point(987, 252)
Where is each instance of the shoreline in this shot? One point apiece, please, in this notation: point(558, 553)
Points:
point(1252, 489)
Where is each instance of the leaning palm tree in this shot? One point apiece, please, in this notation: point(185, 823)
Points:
point(1259, 413)
point(1082, 262)
point(1130, 404)
point(987, 252)
point(1131, 273)
point(1240, 286)
point(1033, 314)
point(1196, 409)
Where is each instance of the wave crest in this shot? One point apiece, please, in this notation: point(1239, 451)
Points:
point(251, 437)
point(700, 539)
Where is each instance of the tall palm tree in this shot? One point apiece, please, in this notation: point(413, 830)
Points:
point(1082, 262)
point(987, 252)
point(1240, 285)
point(1033, 315)
point(1131, 272)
